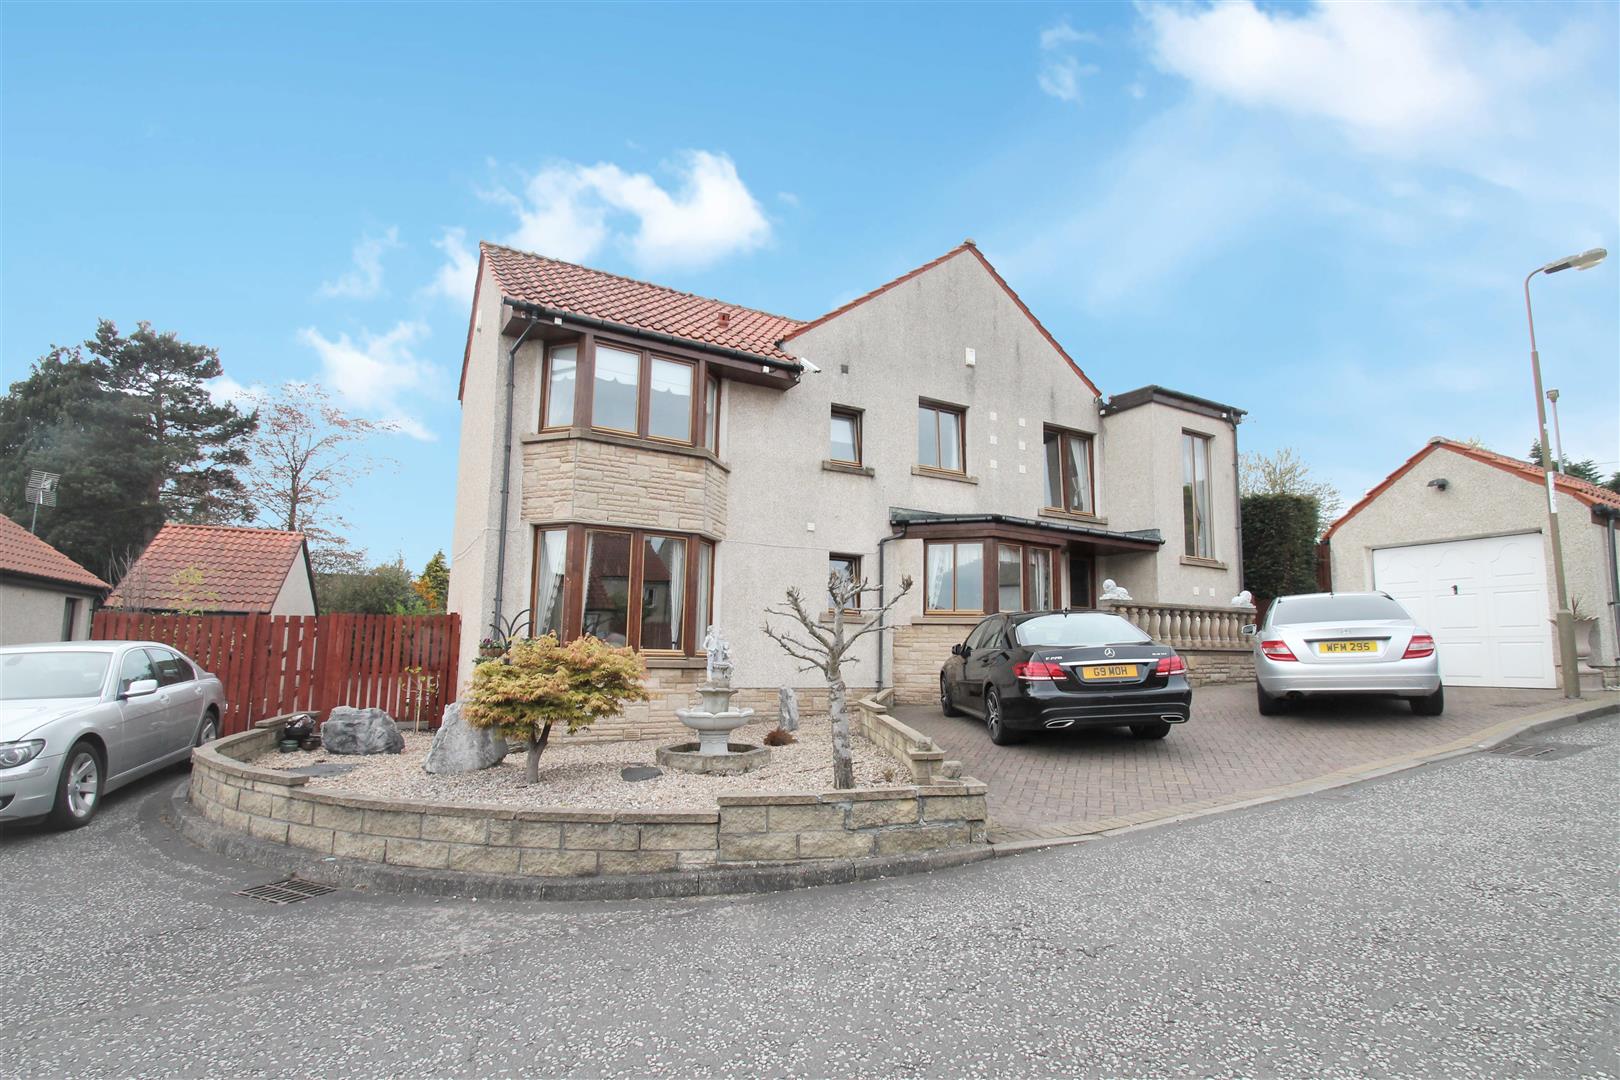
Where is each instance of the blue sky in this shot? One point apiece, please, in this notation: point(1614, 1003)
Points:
point(1321, 214)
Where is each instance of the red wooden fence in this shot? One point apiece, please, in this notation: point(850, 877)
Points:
point(274, 664)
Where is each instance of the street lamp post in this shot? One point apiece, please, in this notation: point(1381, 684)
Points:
point(1558, 434)
point(1566, 619)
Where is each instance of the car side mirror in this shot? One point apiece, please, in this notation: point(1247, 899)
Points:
point(956, 650)
point(140, 688)
point(1249, 629)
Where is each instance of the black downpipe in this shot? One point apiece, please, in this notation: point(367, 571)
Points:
point(506, 480)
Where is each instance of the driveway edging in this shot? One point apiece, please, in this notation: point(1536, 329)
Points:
point(1541, 720)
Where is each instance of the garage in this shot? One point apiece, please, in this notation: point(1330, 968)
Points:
point(1485, 601)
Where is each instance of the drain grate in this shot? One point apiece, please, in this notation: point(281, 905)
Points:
point(289, 891)
point(1537, 751)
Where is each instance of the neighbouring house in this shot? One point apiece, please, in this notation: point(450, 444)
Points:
point(638, 462)
point(44, 595)
point(1459, 535)
point(220, 570)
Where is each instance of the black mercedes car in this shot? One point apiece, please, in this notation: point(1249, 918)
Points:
point(1050, 670)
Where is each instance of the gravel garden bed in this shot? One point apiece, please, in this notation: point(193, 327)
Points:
point(586, 775)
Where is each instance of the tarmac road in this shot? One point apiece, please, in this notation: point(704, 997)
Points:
point(1460, 919)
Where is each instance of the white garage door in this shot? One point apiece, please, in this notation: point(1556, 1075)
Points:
point(1485, 601)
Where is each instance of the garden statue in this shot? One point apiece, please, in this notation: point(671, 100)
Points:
point(1112, 590)
point(718, 667)
point(1243, 599)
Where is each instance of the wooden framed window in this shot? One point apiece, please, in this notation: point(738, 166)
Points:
point(1197, 533)
point(844, 443)
point(1009, 577)
point(941, 437)
point(70, 617)
point(954, 575)
point(557, 387)
point(550, 574)
point(650, 590)
point(669, 399)
point(847, 566)
point(616, 391)
point(1069, 486)
point(1038, 588)
point(711, 415)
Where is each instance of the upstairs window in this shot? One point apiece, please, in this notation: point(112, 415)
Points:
point(711, 415)
point(616, 392)
point(557, 409)
point(940, 440)
point(669, 405)
point(845, 442)
point(1199, 542)
point(1068, 472)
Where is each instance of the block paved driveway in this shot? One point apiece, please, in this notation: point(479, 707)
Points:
point(1066, 783)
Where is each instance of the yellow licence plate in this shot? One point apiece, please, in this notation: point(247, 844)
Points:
point(1332, 647)
point(1108, 671)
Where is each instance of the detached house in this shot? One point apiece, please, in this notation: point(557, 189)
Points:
point(637, 463)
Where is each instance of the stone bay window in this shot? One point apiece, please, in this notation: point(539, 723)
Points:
point(650, 589)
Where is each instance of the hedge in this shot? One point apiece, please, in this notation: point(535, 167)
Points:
point(1279, 544)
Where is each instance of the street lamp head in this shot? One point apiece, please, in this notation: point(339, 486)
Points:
point(1584, 261)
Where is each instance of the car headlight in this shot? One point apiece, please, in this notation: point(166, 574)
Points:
point(13, 754)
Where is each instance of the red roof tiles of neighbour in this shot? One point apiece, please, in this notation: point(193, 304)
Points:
point(242, 569)
point(639, 304)
point(21, 552)
point(1588, 493)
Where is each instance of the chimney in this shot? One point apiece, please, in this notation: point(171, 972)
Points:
point(725, 320)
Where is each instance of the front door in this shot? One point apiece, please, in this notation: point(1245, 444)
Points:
point(1081, 569)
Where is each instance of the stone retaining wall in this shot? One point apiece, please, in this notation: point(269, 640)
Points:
point(227, 789)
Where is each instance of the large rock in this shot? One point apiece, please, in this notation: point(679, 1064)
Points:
point(458, 747)
point(361, 731)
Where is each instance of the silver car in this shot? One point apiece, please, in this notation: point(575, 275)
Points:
point(1344, 643)
point(80, 719)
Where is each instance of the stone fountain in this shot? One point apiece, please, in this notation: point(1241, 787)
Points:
point(714, 719)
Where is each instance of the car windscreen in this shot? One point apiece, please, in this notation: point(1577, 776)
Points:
point(1078, 628)
point(66, 674)
point(1313, 609)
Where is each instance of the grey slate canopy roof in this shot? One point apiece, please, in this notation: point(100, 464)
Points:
point(900, 516)
point(1145, 395)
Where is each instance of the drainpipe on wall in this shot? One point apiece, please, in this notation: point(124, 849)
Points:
point(506, 480)
point(1237, 494)
point(1609, 514)
point(882, 598)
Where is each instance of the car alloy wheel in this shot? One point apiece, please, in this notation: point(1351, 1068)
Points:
point(209, 730)
point(946, 705)
point(993, 721)
point(84, 785)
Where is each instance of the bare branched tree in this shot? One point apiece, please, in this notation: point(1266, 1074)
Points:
point(828, 650)
point(302, 459)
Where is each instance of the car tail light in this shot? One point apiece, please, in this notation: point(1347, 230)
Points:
point(1037, 669)
point(1171, 665)
point(1277, 650)
point(1420, 646)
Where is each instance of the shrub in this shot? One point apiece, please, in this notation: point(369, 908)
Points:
point(1279, 544)
point(539, 682)
point(778, 737)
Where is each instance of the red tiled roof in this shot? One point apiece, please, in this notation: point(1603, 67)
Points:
point(1588, 493)
point(600, 295)
point(242, 569)
point(966, 245)
point(21, 552)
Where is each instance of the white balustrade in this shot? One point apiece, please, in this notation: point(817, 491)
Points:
point(1187, 626)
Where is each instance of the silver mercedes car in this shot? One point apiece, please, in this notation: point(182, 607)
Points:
point(1344, 643)
point(79, 719)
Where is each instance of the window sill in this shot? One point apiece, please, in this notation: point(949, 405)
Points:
point(943, 474)
point(859, 618)
point(958, 619)
point(628, 441)
point(847, 467)
point(1208, 564)
point(681, 663)
point(1064, 515)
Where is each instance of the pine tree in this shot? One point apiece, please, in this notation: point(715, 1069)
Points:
point(433, 583)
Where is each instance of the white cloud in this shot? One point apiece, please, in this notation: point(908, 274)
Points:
point(364, 281)
point(227, 391)
point(1462, 87)
point(571, 211)
point(374, 374)
point(1060, 70)
point(456, 278)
